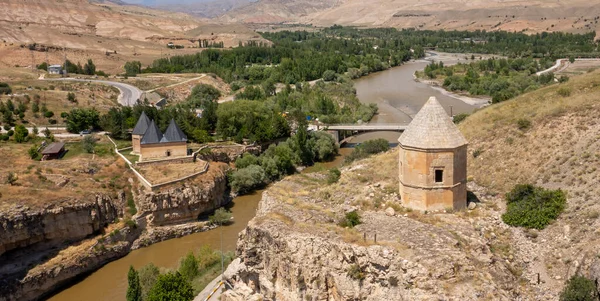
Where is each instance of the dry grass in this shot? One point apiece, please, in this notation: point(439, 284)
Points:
point(37, 183)
point(558, 150)
point(162, 173)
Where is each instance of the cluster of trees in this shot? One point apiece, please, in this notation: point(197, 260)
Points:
point(501, 79)
point(88, 68)
point(280, 160)
point(10, 109)
point(149, 284)
point(553, 45)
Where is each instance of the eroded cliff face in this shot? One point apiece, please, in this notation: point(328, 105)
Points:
point(184, 202)
point(57, 223)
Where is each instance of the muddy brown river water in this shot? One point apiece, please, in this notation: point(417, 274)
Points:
point(399, 98)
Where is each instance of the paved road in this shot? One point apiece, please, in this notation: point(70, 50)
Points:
point(53, 129)
point(129, 94)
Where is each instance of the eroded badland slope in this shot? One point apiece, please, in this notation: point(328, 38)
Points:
point(106, 32)
point(528, 16)
point(294, 249)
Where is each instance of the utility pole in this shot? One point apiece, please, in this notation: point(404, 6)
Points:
point(222, 259)
point(451, 112)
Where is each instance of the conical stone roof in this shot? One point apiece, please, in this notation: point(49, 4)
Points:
point(152, 135)
point(142, 125)
point(432, 128)
point(173, 133)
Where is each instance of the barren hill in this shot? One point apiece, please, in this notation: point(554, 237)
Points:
point(528, 16)
point(82, 29)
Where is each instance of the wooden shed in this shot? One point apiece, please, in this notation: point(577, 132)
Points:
point(53, 151)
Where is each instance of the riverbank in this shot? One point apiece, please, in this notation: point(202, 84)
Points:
point(473, 101)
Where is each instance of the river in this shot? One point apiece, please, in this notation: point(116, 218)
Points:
point(398, 96)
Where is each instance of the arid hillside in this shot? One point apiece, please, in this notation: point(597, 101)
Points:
point(106, 32)
point(528, 16)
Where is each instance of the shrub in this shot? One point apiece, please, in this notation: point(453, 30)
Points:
point(350, 220)
point(579, 288)
point(5, 88)
point(523, 124)
point(221, 216)
point(477, 153)
point(355, 272)
point(458, 118)
point(131, 206)
point(33, 152)
point(564, 91)
point(71, 97)
point(333, 176)
point(11, 178)
point(533, 207)
point(88, 143)
point(49, 114)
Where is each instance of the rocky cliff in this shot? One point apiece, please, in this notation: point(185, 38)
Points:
point(295, 249)
point(184, 202)
point(57, 223)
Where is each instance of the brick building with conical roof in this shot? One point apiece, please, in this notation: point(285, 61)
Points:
point(433, 161)
point(150, 143)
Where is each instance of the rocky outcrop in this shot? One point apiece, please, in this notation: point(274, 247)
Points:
point(57, 223)
point(49, 277)
point(295, 249)
point(186, 201)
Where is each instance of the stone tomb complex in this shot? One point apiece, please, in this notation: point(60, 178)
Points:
point(151, 144)
point(433, 161)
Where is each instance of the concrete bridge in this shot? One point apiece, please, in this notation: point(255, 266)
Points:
point(335, 129)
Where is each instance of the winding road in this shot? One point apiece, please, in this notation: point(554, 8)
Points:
point(129, 94)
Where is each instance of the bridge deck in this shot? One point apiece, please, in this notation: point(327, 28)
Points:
point(365, 127)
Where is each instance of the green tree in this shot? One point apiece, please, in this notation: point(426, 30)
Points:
point(35, 107)
point(222, 216)
point(171, 287)
point(10, 105)
point(88, 143)
point(148, 275)
point(21, 133)
point(246, 179)
point(329, 75)
point(43, 66)
point(33, 152)
point(7, 117)
point(82, 119)
point(133, 68)
point(579, 288)
point(188, 267)
point(89, 68)
point(5, 89)
point(134, 290)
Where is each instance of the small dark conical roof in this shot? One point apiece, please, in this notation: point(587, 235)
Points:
point(173, 133)
point(142, 125)
point(152, 135)
point(432, 128)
